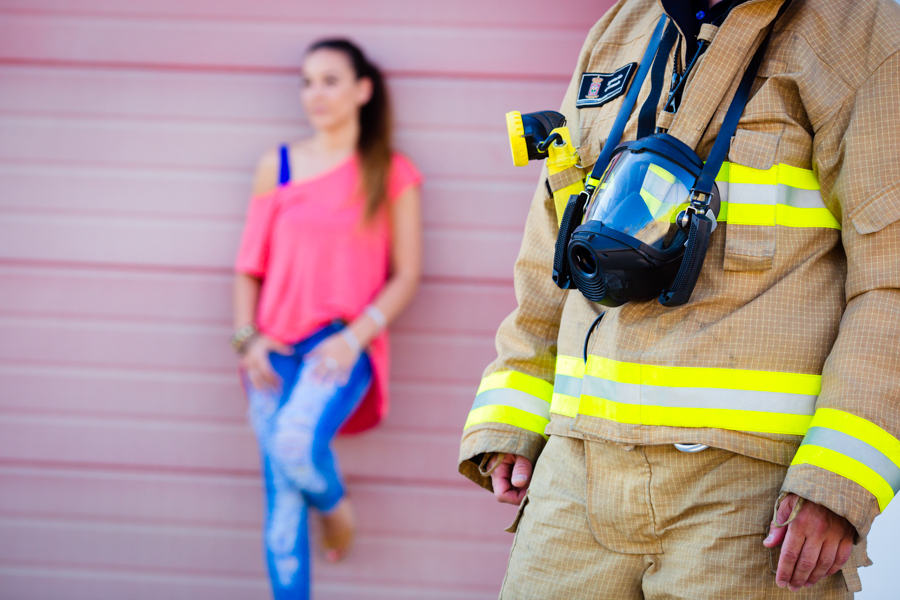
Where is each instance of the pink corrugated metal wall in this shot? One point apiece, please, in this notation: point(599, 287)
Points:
point(128, 134)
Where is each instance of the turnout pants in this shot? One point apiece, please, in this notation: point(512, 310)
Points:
point(603, 520)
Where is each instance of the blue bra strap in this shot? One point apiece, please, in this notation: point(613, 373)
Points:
point(284, 175)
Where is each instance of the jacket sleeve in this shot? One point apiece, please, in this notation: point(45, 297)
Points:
point(849, 460)
point(512, 405)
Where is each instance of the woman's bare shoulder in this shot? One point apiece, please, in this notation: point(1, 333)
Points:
point(266, 177)
point(268, 168)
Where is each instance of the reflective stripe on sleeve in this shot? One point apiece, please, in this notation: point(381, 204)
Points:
point(512, 398)
point(783, 195)
point(854, 448)
point(567, 386)
point(734, 399)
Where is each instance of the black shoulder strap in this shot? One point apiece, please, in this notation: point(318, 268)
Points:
point(719, 151)
point(700, 224)
point(647, 116)
point(615, 133)
point(574, 211)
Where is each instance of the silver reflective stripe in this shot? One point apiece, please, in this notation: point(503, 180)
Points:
point(626, 393)
point(684, 397)
point(800, 198)
point(856, 449)
point(514, 398)
point(567, 385)
point(768, 195)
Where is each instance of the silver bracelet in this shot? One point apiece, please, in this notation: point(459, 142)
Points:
point(351, 340)
point(376, 315)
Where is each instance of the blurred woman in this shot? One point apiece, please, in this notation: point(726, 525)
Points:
point(330, 254)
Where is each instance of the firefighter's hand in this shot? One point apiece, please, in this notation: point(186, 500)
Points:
point(815, 545)
point(511, 478)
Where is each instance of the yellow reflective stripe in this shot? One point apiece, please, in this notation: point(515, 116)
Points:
point(507, 415)
point(845, 466)
point(735, 399)
point(704, 377)
point(861, 429)
point(569, 365)
point(517, 381)
point(565, 405)
point(719, 418)
point(855, 448)
point(779, 174)
point(780, 214)
point(793, 216)
point(773, 214)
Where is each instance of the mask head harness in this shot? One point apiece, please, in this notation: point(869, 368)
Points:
point(642, 225)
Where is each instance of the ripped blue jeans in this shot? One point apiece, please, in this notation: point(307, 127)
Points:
point(294, 427)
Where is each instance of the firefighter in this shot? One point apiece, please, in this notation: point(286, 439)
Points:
point(698, 395)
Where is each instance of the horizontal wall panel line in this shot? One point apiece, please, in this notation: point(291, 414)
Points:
point(143, 586)
point(527, 12)
point(44, 370)
point(460, 14)
point(217, 372)
point(288, 71)
point(454, 481)
point(212, 271)
point(279, 46)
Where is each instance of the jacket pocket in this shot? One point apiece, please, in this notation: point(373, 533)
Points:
point(750, 247)
point(515, 524)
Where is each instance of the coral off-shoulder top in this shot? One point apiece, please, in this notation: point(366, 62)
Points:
point(320, 261)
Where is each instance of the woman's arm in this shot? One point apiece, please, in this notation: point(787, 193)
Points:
point(246, 295)
point(406, 271)
point(406, 266)
point(255, 350)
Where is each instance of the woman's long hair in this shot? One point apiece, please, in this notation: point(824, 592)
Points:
point(374, 145)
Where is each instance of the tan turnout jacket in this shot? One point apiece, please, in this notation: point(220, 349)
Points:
point(789, 349)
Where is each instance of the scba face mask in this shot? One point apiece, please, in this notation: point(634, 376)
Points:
point(640, 226)
point(632, 240)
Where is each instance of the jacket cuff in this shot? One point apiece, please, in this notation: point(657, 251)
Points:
point(479, 440)
point(839, 494)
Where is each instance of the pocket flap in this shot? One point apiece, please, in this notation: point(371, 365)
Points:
point(515, 524)
point(879, 212)
point(754, 149)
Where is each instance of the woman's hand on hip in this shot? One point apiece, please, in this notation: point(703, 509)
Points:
point(255, 361)
point(335, 359)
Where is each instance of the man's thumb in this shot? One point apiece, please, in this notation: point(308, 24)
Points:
point(521, 473)
point(777, 534)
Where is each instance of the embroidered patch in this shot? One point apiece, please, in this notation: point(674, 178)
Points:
point(599, 88)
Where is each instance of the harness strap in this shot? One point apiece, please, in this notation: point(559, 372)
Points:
point(618, 127)
point(647, 116)
point(720, 148)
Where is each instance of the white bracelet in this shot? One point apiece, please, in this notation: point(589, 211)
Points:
point(351, 340)
point(376, 315)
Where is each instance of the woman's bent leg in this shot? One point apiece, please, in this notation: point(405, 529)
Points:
point(308, 422)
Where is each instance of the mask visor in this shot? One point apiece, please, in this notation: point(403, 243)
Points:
point(640, 195)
